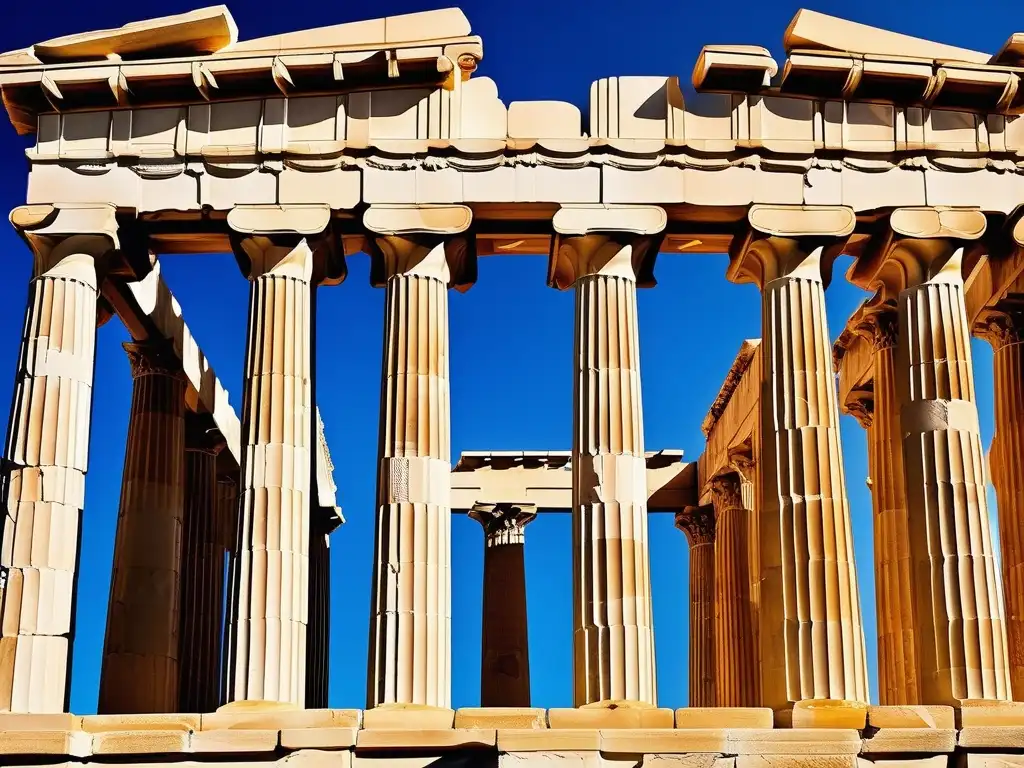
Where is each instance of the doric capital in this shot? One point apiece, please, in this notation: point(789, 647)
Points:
point(698, 523)
point(618, 241)
point(790, 241)
point(72, 241)
point(201, 435)
point(921, 245)
point(292, 241)
point(429, 241)
point(153, 358)
point(1001, 327)
point(503, 523)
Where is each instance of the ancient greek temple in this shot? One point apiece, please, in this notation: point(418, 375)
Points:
point(175, 136)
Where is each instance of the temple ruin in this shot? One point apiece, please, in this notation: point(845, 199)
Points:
point(294, 151)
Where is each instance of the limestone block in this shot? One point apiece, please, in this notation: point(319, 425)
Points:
point(426, 739)
point(544, 120)
point(819, 741)
point(663, 184)
point(991, 737)
point(234, 740)
point(911, 717)
point(317, 758)
point(145, 722)
point(979, 712)
point(938, 761)
point(148, 741)
point(989, 760)
point(484, 116)
point(824, 713)
point(910, 740)
point(502, 718)
point(636, 108)
point(724, 717)
point(543, 184)
point(866, 190)
point(408, 717)
point(618, 717)
point(783, 124)
point(280, 719)
point(339, 188)
point(320, 737)
point(54, 722)
point(712, 120)
point(796, 761)
point(697, 760)
point(59, 742)
point(641, 740)
point(544, 740)
point(550, 759)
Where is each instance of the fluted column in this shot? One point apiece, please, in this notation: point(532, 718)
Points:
point(811, 631)
point(737, 679)
point(410, 622)
point(319, 630)
point(505, 656)
point(959, 606)
point(602, 253)
point(140, 670)
point(1004, 331)
point(42, 485)
point(698, 523)
point(202, 582)
point(269, 604)
point(897, 644)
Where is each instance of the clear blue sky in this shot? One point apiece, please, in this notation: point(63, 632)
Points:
point(511, 337)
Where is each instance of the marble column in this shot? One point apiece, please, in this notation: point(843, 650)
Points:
point(42, 484)
point(140, 669)
point(410, 622)
point(270, 567)
point(613, 642)
point(202, 582)
point(811, 631)
point(698, 523)
point(737, 678)
point(505, 656)
point(958, 600)
point(1005, 330)
point(227, 518)
point(897, 644)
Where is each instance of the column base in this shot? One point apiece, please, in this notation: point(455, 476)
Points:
point(823, 713)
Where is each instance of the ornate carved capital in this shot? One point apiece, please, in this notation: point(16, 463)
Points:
point(287, 241)
point(727, 492)
point(881, 327)
point(153, 358)
point(503, 523)
point(1002, 327)
point(698, 523)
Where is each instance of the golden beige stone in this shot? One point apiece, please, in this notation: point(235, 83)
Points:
point(911, 717)
point(172, 722)
point(147, 741)
point(38, 742)
point(408, 717)
point(724, 717)
point(405, 738)
point(825, 713)
point(908, 740)
point(235, 740)
point(501, 718)
point(611, 715)
point(548, 740)
point(280, 719)
point(320, 737)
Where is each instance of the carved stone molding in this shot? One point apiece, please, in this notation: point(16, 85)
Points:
point(153, 358)
point(861, 405)
point(727, 491)
point(1002, 327)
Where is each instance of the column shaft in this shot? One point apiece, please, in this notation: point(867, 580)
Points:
point(43, 486)
point(140, 653)
point(613, 642)
point(698, 523)
point(737, 680)
point(269, 611)
point(202, 590)
point(411, 601)
point(811, 632)
point(318, 642)
point(1008, 476)
point(897, 644)
point(962, 645)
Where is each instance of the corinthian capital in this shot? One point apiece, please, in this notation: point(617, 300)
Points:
point(698, 523)
point(727, 491)
point(1001, 327)
point(503, 523)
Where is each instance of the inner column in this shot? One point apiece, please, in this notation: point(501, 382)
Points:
point(505, 656)
point(140, 670)
point(698, 523)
